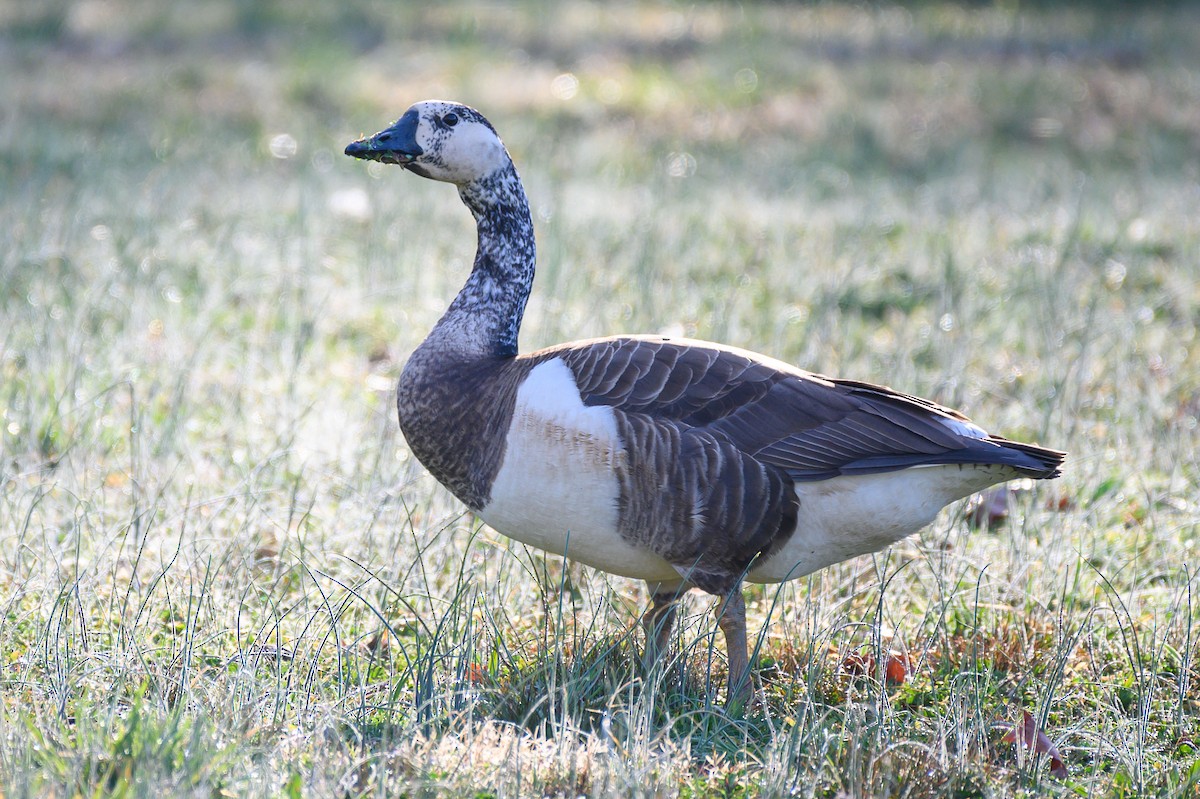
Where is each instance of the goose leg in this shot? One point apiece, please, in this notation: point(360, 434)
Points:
point(658, 621)
point(731, 619)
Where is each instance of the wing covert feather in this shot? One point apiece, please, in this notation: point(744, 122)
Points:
point(805, 424)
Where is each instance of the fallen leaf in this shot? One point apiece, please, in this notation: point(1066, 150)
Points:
point(378, 644)
point(1060, 503)
point(857, 664)
point(1032, 737)
point(895, 667)
point(990, 508)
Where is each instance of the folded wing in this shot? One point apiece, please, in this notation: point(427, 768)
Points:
point(810, 426)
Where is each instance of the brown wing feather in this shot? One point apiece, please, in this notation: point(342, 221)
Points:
point(808, 425)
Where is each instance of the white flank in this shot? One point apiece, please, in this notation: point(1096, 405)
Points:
point(848, 516)
point(557, 488)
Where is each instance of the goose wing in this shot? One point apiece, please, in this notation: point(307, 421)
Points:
point(810, 426)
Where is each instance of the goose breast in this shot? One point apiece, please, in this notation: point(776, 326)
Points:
point(557, 488)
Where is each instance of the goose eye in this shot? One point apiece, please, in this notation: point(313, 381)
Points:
point(450, 120)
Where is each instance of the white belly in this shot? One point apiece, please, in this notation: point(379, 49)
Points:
point(557, 487)
point(849, 516)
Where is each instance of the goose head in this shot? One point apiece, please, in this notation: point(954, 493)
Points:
point(439, 140)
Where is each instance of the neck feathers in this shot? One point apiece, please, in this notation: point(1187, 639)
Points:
point(485, 317)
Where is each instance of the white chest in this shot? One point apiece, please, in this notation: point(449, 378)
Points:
point(557, 487)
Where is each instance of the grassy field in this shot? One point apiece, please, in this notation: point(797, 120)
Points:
point(223, 574)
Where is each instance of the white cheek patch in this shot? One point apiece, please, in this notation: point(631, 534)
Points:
point(475, 150)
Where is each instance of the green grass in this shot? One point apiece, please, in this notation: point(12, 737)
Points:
point(222, 573)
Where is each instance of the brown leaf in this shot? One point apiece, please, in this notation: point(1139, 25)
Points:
point(858, 664)
point(989, 508)
point(1032, 737)
point(895, 666)
point(378, 644)
point(1060, 503)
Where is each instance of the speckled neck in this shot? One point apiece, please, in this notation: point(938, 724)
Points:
point(485, 318)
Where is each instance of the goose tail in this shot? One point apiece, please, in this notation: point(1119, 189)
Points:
point(1040, 463)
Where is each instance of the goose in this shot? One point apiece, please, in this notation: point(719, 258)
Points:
point(682, 463)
